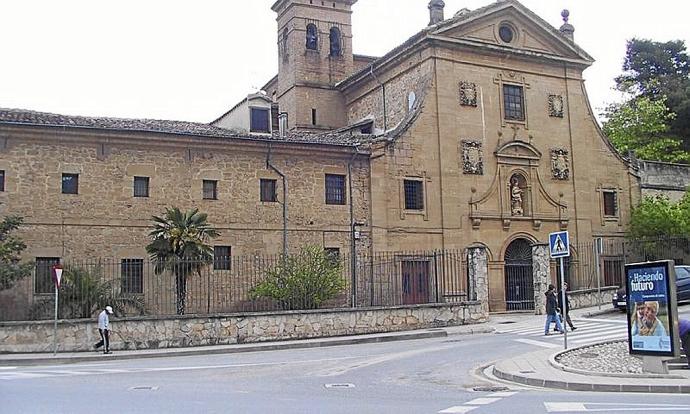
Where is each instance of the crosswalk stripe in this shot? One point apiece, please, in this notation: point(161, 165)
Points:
point(537, 343)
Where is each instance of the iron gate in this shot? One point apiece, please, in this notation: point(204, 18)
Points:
point(519, 282)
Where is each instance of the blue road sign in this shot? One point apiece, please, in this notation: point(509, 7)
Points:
point(559, 245)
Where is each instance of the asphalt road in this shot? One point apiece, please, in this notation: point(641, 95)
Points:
point(422, 376)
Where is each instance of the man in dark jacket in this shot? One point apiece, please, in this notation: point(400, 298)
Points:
point(565, 309)
point(551, 314)
point(684, 333)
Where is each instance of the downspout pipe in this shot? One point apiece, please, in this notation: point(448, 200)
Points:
point(285, 207)
point(383, 92)
point(353, 247)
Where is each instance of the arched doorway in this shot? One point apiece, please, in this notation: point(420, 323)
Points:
point(518, 275)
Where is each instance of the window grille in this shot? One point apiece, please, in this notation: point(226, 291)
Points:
point(43, 282)
point(221, 257)
point(610, 204)
point(210, 190)
point(513, 103)
point(335, 189)
point(414, 195)
point(132, 273)
point(141, 186)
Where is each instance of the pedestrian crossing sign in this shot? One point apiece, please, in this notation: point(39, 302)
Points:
point(559, 245)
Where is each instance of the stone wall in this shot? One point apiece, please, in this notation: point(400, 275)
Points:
point(664, 178)
point(588, 297)
point(150, 333)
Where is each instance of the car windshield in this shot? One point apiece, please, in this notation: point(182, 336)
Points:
point(682, 272)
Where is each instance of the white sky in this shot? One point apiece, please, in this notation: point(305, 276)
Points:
point(193, 60)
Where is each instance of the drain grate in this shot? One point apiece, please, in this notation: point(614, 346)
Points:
point(143, 388)
point(342, 385)
point(490, 388)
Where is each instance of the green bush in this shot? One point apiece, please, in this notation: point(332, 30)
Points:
point(302, 281)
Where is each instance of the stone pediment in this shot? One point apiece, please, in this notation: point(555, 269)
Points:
point(517, 153)
point(530, 33)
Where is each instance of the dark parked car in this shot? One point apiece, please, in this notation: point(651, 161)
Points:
point(682, 289)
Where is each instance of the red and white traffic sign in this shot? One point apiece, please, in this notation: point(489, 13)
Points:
point(57, 274)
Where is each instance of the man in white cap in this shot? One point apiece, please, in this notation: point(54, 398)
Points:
point(104, 329)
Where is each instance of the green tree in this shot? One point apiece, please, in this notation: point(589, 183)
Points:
point(83, 292)
point(180, 244)
point(641, 125)
point(11, 247)
point(657, 70)
point(302, 281)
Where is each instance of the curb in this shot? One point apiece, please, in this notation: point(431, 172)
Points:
point(230, 349)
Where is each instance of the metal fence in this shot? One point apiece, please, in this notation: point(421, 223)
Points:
point(227, 284)
point(581, 267)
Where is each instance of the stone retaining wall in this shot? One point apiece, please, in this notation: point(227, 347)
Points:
point(184, 331)
point(588, 297)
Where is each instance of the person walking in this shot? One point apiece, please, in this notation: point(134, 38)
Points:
point(684, 334)
point(551, 313)
point(565, 309)
point(104, 329)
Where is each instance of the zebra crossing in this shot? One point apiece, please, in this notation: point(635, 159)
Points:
point(588, 331)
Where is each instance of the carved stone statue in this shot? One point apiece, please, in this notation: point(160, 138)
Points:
point(516, 208)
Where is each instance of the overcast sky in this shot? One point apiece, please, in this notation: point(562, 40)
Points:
point(193, 60)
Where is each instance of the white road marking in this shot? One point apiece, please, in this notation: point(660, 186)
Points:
point(503, 394)
point(482, 401)
point(8, 368)
point(614, 321)
point(582, 407)
point(564, 407)
point(457, 410)
point(538, 343)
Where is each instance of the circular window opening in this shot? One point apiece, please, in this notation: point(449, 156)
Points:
point(506, 34)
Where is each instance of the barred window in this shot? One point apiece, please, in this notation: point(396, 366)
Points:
point(414, 195)
point(513, 103)
point(268, 190)
point(43, 282)
point(132, 272)
point(70, 183)
point(335, 189)
point(2, 180)
point(210, 189)
point(221, 257)
point(259, 121)
point(610, 204)
point(141, 186)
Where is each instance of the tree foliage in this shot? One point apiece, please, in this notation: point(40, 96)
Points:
point(302, 281)
point(179, 243)
point(83, 292)
point(641, 126)
point(659, 217)
point(11, 247)
point(658, 70)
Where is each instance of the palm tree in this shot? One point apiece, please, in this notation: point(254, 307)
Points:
point(179, 244)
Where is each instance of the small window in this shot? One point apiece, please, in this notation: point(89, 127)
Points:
point(506, 34)
point(141, 186)
point(70, 183)
point(336, 48)
point(210, 190)
point(335, 189)
point(268, 190)
point(312, 37)
point(313, 116)
point(513, 103)
point(260, 120)
point(414, 195)
point(332, 254)
point(43, 283)
point(2, 180)
point(221, 257)
point(610, 204)
point(132, 273)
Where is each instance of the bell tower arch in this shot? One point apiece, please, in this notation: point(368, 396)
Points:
point(315, 53)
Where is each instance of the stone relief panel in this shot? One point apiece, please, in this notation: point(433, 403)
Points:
point(472, 158)
point(559, 164)
point(468, 93)
point(556, 106)
point(517, 185)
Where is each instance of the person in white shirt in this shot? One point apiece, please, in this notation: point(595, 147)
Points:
point(104, 329)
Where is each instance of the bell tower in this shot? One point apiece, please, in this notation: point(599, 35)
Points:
point(314, 53)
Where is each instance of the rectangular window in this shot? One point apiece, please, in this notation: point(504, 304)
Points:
point(513, 103)
point(43, 283)
point(268, 190)
point(313, 116)
point(2, 180)
point(610, 204)
point(70, 183)
point(260, 120)
point(335, 189)
point(141, 186)
point(132, 272)
point(210, 190)
point(414, 195)
point(221, 257)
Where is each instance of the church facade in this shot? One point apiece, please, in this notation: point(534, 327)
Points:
point(476, 131)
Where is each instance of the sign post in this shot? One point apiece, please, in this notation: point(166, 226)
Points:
point(57, 278)
point(559, 247)
point(652, 313)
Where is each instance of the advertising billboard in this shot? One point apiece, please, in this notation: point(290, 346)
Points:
point(651, 288)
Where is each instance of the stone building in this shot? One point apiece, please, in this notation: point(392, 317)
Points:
point(476, 131)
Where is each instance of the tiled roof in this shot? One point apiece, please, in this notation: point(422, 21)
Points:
point(26, 117)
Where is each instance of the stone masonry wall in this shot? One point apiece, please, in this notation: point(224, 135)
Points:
point(149, 333)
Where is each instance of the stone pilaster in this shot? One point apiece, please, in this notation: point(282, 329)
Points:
point(478, 269)
point(540, 275)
